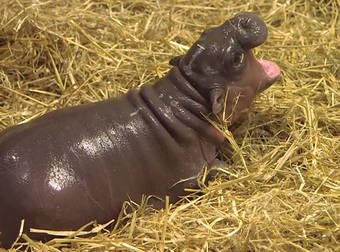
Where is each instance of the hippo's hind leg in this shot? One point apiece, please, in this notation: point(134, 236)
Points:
point(13, 197)
point(9, 221)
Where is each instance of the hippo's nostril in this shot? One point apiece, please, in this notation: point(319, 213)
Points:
point(245, 23)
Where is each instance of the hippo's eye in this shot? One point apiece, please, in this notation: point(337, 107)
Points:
point(238, 59)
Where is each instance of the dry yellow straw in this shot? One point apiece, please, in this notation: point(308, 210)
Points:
point(280, 187)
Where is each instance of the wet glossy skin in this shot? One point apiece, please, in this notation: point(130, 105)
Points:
point(80, 164)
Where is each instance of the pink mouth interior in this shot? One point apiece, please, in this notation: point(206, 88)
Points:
point(270, 68)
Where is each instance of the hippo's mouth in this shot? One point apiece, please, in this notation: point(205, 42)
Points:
point(271, 70)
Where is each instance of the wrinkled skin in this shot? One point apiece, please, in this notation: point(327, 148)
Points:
point(79, 164)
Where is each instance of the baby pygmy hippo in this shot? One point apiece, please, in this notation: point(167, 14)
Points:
point(79, 164)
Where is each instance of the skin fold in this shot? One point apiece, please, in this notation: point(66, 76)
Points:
point(79, 164)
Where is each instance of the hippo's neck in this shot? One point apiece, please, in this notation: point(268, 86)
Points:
point(180, 108)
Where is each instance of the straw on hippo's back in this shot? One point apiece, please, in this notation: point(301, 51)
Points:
point(80, 164)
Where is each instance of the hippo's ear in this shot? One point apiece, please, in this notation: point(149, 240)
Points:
point(217, 100)
point(175, 61)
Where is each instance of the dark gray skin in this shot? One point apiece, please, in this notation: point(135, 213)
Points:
point(79, 164)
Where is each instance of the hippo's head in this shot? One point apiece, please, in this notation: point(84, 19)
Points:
point(222, 67)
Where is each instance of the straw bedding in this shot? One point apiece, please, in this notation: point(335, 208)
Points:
point(281, 188)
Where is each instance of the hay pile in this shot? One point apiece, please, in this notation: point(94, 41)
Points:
point(281, 191)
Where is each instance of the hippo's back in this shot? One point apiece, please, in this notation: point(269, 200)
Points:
point(58, 171)
point(76, 165)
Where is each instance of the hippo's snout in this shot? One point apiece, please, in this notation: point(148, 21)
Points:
point(251, 31)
